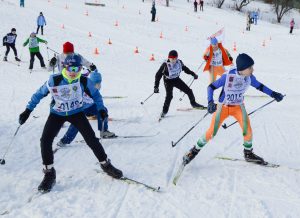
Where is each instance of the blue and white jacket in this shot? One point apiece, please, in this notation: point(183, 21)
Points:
point(49, 87)
point(41, 21)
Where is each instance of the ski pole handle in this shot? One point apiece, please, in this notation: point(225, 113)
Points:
point(174, 144)
point(142, 102)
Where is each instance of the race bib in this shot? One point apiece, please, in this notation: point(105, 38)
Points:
point(217, 58)
point(174, 69)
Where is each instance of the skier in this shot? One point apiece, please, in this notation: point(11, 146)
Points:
point(216, 57)
point(67, 92)
point(248, 22)
point(34, 49)
point(90, 108)
point(153, 12)
point(201, 5)
point(292, 24)
point(195, 5)
point(68, 48)
point(9, 40)
point(171, 70)
point(255, 17)
point(41, 22)
point(231, 103)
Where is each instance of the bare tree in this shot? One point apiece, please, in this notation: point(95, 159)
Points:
point(239, 4)
point(281, 7)
point(219, 3)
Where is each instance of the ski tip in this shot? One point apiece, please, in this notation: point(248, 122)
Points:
point(172, 143)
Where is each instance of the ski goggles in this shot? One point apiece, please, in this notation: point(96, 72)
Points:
point(73, 69)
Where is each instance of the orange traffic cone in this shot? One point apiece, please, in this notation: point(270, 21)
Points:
point(63, 26)
point(90, 35)
point(109, 42)
point(96, 52)
point(152, 58)
point(86, 13)
point(116, 24)
point(264, 43)
point(186, 28)
point(234, 46)
point(161, 35)
point(136, 50)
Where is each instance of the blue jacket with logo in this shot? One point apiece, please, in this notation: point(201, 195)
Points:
point(43, 91)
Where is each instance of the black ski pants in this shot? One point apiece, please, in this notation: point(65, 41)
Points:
point(291, 29)
point(42, 29)
point(79, 120)
point(12, 46)
point(39, 56)
point(153, 17)
point(179, 84)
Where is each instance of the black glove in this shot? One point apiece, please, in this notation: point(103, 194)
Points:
point(4, 43)
point(212, 107)
point(53, 61)
point(230, 58)
point(277, 96)
point(195, 76)
point(103, 114)
point(93, 67)
point(24, 116)
point(156, 90)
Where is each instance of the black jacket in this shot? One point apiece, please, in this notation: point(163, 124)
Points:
point(163, 71)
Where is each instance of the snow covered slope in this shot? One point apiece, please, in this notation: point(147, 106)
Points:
point(208, 187)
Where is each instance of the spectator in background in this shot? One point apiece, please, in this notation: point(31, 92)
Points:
point(292, 24)
point(255, 17)
point(41, 22)
point(195, 5)
point(201, 5)
point(248, 22)
point(153, 12)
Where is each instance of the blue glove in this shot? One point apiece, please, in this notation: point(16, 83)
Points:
point(212, 107)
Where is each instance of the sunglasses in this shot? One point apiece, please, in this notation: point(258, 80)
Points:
point(74, 69)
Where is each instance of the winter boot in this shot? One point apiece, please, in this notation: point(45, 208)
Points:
point(188, 157)
point(5, 58)
point(48, 181)
point(251, 157)
point(17, 59)
point(198, 106)
point(107, 134)
point(111, 170)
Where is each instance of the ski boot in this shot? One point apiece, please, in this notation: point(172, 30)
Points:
point(111, 170)
point(198, 106)
point(48, 181)
point(61, 144)
point(251, 157)
point(5, 58)
point(188, 157)
point(17, 59)
point(107, 134)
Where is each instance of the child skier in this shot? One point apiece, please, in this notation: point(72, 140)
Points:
point(171, 70)
point(10, 42)
point(41, 22)
point(67, 91)
point(90, 108)
point(34, 49)
point(231, 103)
point(216, 57)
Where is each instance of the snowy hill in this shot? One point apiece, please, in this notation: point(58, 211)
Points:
point(208, 187)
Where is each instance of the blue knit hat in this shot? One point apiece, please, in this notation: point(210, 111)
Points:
point(213, 41)
point(95, 77)
point(73, 60)
point(243, 61)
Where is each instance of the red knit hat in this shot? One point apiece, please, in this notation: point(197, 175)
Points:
point(68, 47)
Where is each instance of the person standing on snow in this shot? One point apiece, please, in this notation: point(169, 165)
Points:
point(67, 91)
point(216, 57)
point(201, 5)
point(171, 70)
point(90, 108)
point(248, 22)
point(41, 22)
point(231, 103)
point(68, 48)
point(34, 49)
point(9, 40)
point(195, 5)
point(153, 12)
point(292, 24)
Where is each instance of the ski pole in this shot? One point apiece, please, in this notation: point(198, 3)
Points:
point(21, 55)
point(180, 99)
point(142, 102)
point(47, 54)
point(2, 161)
point(225, 126)
point(174, 144)
point(52, 50)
